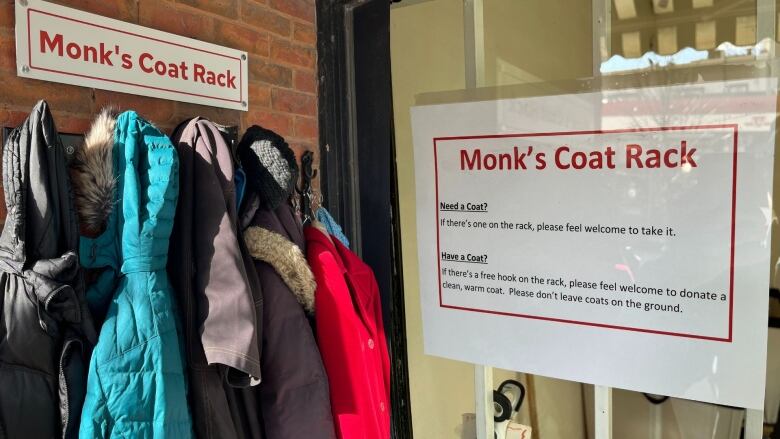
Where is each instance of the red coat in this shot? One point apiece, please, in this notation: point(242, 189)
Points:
point(351, 339)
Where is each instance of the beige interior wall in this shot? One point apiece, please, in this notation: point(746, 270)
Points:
point(536, 40)
point(426, 55)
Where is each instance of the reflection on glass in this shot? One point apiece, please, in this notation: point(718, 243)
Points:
point(664, 33)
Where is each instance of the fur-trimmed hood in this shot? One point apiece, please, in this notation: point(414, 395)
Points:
point(288, 261)
point(92, 174)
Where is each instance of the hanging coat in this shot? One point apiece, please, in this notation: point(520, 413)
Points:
point(293, 393)
point(215, 280)
point(351, 337)
point(45, 327)
point(126, 184)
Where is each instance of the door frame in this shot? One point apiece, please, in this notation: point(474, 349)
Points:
point(357, 161)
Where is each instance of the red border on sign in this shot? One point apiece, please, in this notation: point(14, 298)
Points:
point(735, 129)
point(30, 63)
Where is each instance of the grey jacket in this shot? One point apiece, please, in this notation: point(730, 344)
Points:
point(46, 331)
point(217, 288)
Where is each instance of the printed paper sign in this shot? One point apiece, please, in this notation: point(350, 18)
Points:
point(616, 238)
point(55, 43)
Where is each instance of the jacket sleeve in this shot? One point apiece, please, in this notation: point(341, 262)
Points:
point(335, 338)
point(226, 308)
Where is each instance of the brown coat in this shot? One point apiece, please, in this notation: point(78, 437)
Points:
point(217, 288)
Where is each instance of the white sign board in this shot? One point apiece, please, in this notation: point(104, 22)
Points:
point(55, 43)
point(616, 238)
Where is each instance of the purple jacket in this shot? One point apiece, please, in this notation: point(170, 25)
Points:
point(294, 397)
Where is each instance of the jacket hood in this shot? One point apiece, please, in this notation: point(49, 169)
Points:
point(92, 174)
point(288, 261)
point(269, 164)
point(127, 161)
point(40, 237)
point(40, 223)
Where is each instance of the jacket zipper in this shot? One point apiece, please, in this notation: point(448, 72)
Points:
point(52, 294)
point(66, 403)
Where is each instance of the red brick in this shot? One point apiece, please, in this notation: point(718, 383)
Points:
point(242, 38)
point(157, 111)
point(282, 124)
point(293, 102)
point(297, 8)
point(222, 116)
point(259, 96)
point(261, 17)
point(24, 93)
point(305, 34)
point(7, 15)
point(12, 119)
point(165, 17)
point(67, 123)
point(306, 146)
point(306, 127)
point(7, 53)
point(292, 54)
point(305, 81)
point(166, 129)
point(299, 148)
point(226, 8)
point(260, 70)
point(125, 10)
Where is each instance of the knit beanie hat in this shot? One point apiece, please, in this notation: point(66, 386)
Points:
point(269, 164)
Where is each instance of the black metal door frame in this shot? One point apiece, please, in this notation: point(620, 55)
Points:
point(357, 161)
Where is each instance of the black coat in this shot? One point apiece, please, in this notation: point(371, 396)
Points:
point(217, 288)
point(45, 328)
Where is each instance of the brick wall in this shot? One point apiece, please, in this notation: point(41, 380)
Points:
point(279, 35)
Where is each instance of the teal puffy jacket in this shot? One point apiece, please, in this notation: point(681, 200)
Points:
point(126, 186)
